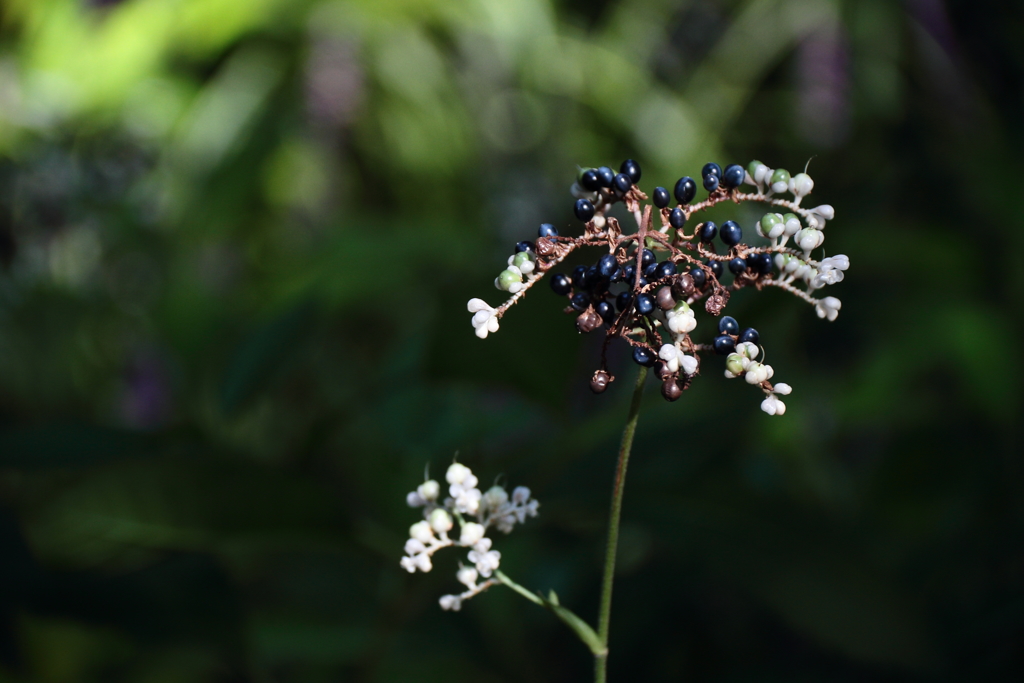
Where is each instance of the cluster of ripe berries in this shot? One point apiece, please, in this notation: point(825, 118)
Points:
point(633, 296)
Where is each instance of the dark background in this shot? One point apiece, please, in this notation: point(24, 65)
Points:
point(237, 238)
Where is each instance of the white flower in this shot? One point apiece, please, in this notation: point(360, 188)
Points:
point(828, 307)
point(773, 406)
point(485, 559)
point(484, 319)
point(471, 533)
point(467, 576)
point(520, 494)
point(425, 493)
point(762, 173)
point(440, 521)
point(451, 602)
point(782, 388)
point(756, 373)
point(688, 363)
point(793, 225)
point(670, 354)
point(681, 319)
point(810, 238)
point(414, 546)
point(830, 271)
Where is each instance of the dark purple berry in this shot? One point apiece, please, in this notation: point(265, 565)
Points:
point(623, 300)
point(591, 277)
point(622, 183)
point(664, 298)
point(728, 325)
point(599, 382)
point(737, 266)
point(607, 266)
point(677, 218)
point(606, 175)
point(642, 282)
point(632, 169)
point(590, 180)
point(711, 183)
point(643, 356)
point(524, 246)
point(665, 269)
point(644, 304)
point(731, 233)
point(580, 301)
point(749, 335)
point(685, 190)
point(647, 258)
point(616, 276)
point(605, 310)
point(561, 284)
point(763, 263)
point(724, 345)
point(661, 197)
point(717, 268)
point(711, 168)
point(708, 232)
point(670, 389)
point(699, 276)
point(733, 176)
point(649, 270)
point(546, 230)
point(584, 210)
point(629, 272)
point(579, 275)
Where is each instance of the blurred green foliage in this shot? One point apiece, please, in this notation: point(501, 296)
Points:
point(237, 238)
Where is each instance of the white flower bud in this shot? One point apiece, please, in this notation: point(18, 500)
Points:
point(440, 521)
point(825, 211)
point(800, 185)
point(793, 226)
point(467, 576)
point(422, 532)
point(688, 364)
point(783, 389)
point(769, 405)
point(423, 562)
point(780, 407)
point(451, 602)
point(495, 497)
point(809, 238)
point(492, 324)
point(471, 533)
point(520, 494)
point(413, 547)
point(762, 173)
point(481, 318)
point(414, 500)
point(429, 490)
point(457, 473)
point(475, 305)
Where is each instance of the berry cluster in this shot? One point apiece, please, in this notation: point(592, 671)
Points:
point(645, 287)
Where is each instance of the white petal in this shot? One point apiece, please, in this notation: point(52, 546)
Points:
point(769, 405)
point(783, 389)
point(475, 305)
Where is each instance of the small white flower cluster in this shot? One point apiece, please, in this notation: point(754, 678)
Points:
point(779, 180)
point(680, 319)
point(743, 362)
point(520, 264)
point(830, 271)
point(493, 508)
point(828, 307)
point(676, 360)
point(485, 319)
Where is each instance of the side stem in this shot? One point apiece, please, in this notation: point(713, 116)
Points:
point(601, 660)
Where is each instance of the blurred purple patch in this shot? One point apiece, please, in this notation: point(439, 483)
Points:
point(146, 396)
point(823, 116)
point(334, 81)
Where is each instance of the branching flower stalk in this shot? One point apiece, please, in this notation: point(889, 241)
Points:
point(644, 290)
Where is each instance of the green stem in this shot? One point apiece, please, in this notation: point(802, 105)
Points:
point(601, 659)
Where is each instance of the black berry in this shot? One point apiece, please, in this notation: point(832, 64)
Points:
point(606, 176)
point(607, 266)
point(647, 258)
point(733, 176)
point(711, 168)
point(708, 232)
point(584, 210)
point(686, 190)
point(728, 325)
point(629, 272)
point(749, 335)
point(632, 169)
point(622, 183)
point(717, 268)
point(649, 270)
point(623, 300)
point(710, 183)
point(699, 277)
point(524, 246)
point(731, 233)
point(677, 218)
point(763, 263)
point(580, 301)
point(665, 269)
point(579, 275)
point(737, 266)
point(644, 304)
point(660, 197)
point(642, 356)
point(561, 284)
point(546, 230)
point(590, 180)
point(724, 345)
point(605, 310)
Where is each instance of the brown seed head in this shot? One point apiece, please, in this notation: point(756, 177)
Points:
point(600, 381)
point(670, 389)
point(664, 298)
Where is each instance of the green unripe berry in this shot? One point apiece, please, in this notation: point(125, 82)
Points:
point(752, 167)
point(521, 258)
point(734, 363)
point(769, 221)
point(508, 277)
point(781, 175)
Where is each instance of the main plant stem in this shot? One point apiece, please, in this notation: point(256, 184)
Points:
point(601, 660)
